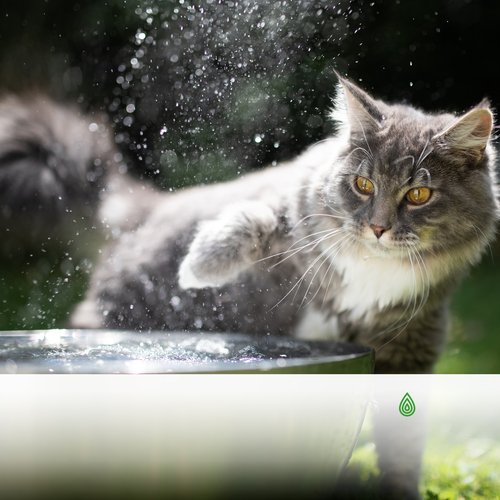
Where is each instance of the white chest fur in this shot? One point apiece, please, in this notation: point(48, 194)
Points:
point(368, 285)
point(373, 283)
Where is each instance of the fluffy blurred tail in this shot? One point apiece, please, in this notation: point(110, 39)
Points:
point(61, 176)
point(53, 165)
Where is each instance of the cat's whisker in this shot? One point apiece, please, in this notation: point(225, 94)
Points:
point(325, 254)
point(309, 216)
point(424, 154)
point(328, 205)
point(364, 135)
point(301, 279)
point(426, 172)
point(329, 254)
point(403, 158)
point(349, 238)
point(311, 235)
point(297, 284)
point(368, 152)
point(411, 303)
point(415, 286)
point(400, 321)
point(361, 165)
point(293, 248)
point(424, 280)
point(427, 280)
point(335, 249)
point(359, 148)
point(309, 246)
point(479, 231)
point(332, 210)
point(307, 236)
point(426, 283)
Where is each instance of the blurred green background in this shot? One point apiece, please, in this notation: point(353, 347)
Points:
point(201, 92)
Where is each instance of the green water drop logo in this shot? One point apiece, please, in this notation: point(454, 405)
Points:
point(407, 406)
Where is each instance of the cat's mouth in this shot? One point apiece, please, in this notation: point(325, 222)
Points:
point(383, 247)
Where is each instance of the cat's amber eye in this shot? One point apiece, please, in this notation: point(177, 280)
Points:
point(364, 185)
point(419, 195)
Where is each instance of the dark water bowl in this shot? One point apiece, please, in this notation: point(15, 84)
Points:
point(174, 436)
point(104, 351)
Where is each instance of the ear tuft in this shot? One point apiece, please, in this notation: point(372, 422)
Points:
point(469, 135)
point(485, 103)
point(338, 112)
point(355, 109)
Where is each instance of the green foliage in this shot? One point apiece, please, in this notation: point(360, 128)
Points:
point(41, 293)
point(467, 471)
point(474, 340)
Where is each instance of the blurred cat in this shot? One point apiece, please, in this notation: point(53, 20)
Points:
point(56, 166)
point(362, 238)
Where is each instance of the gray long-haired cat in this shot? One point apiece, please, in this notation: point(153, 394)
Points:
point(362, 238)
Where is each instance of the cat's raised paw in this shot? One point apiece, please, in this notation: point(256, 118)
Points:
point(188, 279)
point(228, 245)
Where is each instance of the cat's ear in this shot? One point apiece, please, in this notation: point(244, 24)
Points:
point(468, 136)
point(355, 109)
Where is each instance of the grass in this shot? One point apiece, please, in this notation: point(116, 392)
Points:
point(466, 471)
point(458, 472)
point(454, 468)
point(474, 339)
point(41, 293)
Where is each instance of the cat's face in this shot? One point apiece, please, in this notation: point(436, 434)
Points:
point(410, 180)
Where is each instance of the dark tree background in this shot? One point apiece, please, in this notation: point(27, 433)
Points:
point(199, 91)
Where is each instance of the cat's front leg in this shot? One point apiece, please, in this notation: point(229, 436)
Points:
point(228, 245)
point(400, 439)
point(400, 442)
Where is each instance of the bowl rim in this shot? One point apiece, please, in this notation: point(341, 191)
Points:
point(160, 366)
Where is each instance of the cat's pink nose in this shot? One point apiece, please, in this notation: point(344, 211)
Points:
point(378, 231)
